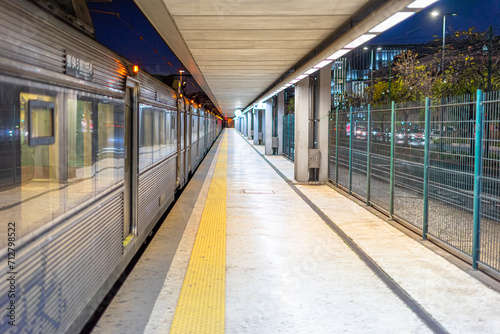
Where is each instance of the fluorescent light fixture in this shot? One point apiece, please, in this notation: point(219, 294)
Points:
point(392, 21)
point(293, 81)
point(322, 64)
point(310, 71)
point(338, 54)
point(302, 76)
point(421, 3)
point(359, 41)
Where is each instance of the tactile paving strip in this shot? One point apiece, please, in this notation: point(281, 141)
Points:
point(201, 304)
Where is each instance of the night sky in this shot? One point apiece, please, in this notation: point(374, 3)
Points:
point(422, 27)
point(134, 38)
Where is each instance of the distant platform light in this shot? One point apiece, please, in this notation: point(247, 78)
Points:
point(237, 113)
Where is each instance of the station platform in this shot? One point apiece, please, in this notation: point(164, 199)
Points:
point(246, 249)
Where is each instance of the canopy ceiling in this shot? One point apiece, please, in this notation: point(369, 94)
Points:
point(237, 50)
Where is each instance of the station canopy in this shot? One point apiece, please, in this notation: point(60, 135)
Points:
point(240, 52)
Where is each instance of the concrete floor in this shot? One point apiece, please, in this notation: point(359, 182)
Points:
point(288, 272)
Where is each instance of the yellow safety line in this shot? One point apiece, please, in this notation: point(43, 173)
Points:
point(201, 304)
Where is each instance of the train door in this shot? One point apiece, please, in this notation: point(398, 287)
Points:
point(131, 159)
point(190, 136)
point(179, 145)
point(186, 140)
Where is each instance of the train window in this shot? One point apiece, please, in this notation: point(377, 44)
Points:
point(51, 177)
point(81, 151)
point(110, 150)
point(41, 122)
point(145, 137)
point(156, 134)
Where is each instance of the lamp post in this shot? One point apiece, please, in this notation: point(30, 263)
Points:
point(436, 13)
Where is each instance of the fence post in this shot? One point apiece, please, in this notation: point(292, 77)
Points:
point(478, 170)
point(368, 154)
point(350, 149)
point(393, 142)
point(427, 143)
point(337, 148)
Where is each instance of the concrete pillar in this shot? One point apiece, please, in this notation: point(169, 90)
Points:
point(324, 106)
point(268, 131)
point(241, 123)
point(281, 113)
point(263, 126)
point(302, 112)
point(244, 125)
point(303, 133)
point(256, 127)
point(249, 124)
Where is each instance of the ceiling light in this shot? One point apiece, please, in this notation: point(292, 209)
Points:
point(359, 41)
point(293, 81)
point(302, 76)
point(392, 21)
point(310, 71)
point(322, 64)
point(421, 3)
point(338, 54)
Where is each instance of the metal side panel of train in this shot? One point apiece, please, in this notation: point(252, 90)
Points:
point(156, 190)
point(57, 276)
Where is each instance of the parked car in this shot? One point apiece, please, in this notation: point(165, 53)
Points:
point(416, 135)
point(360, 132)
point(435, 134)
point(377, 134)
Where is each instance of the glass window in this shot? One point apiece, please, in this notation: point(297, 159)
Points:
point(156, 134)
point(43, 181)
point(145, 137)
point(173, 131)
point(110, 154)
point(81, 169)
point(41, 122)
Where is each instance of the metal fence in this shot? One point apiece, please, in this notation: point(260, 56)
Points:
point(433, 166)
point(289, 136)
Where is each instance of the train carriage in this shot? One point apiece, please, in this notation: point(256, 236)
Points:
point(92, 152)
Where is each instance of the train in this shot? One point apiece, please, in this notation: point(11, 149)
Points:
point(93, 151)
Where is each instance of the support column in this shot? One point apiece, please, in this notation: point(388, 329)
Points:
point(304, 102)
point(281, 113)
point(324, 105)
point(244, 125)
point(263, 126)
point(302, 112)
point(249, 124)
point(268, 131)
point(256, 127)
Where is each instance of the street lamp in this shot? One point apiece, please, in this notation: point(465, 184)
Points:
point(436, 14)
